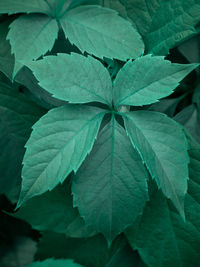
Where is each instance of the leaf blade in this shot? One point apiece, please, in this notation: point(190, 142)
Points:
point(104, 171)
point(101, 32)
point(148, 79)
point(55, 149)
point(157, 138)
point(38, 35)
point(92, 84)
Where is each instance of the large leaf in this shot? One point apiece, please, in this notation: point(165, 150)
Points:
point(38, 37)
point(17, 115)
point(53, 263)
point(163, 147)
point(161, 236)
point(58, 145)
point(148, 79)
point(90, 252)
point(110, 189)
point(58, 202)
point(74, 78)
point(101, 32)
point(19, 6)
point(163, 24)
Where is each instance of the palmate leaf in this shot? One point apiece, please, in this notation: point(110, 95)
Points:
point(163, 147)
point(57, 146)
point(101, 32)
point(38, 213)
point(53, 263)
point(148, 79)
point(17, 115)
point(81, 79)
point(38, 37)
point(163, 24)
point(110, 189)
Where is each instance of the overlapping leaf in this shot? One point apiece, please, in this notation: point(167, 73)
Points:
point(148, 79)
point(58, 145)
point(163, 147)
point(58, 246)
point(110, 189)
point(81, 79)
point(163, 24)
point(170, 240)
point(38, 35)
point(58, 202)
point(101, 32)
point(17, 115)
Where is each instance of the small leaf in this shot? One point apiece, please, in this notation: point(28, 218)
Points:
point(110, 189)
point(37, 38)
point(58, 145)
point(101, 32)
point(74, 78)
point(21, 6)
point(163, 147)
point(58, 202)
point(148, 79)
point(53, 263)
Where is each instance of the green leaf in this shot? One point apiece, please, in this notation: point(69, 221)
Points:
point(164, 24)
point(38, 35)
point(163, 147)
point(125, 257)
point(101, 32)
point(91, 252)
point(110, 189)
point(57, 146)
point(81, 79)
point(189, 117)
point(162, 238)
point(6, 59)
point(148, 79)
point(53, 263)
point(20, 6)
point(17, 115)
point(58, 202)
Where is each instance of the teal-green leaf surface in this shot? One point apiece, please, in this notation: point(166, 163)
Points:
point(74, 78)
point(101, 32)
point(21, 6)
point(148, 79)
point(163, 147)
point(37, 38)
point(110, 189)
point(162, 238)
point(17, 115)
point(53, 263)
point(38, 213)
point(57, 146)
point(163, 24)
